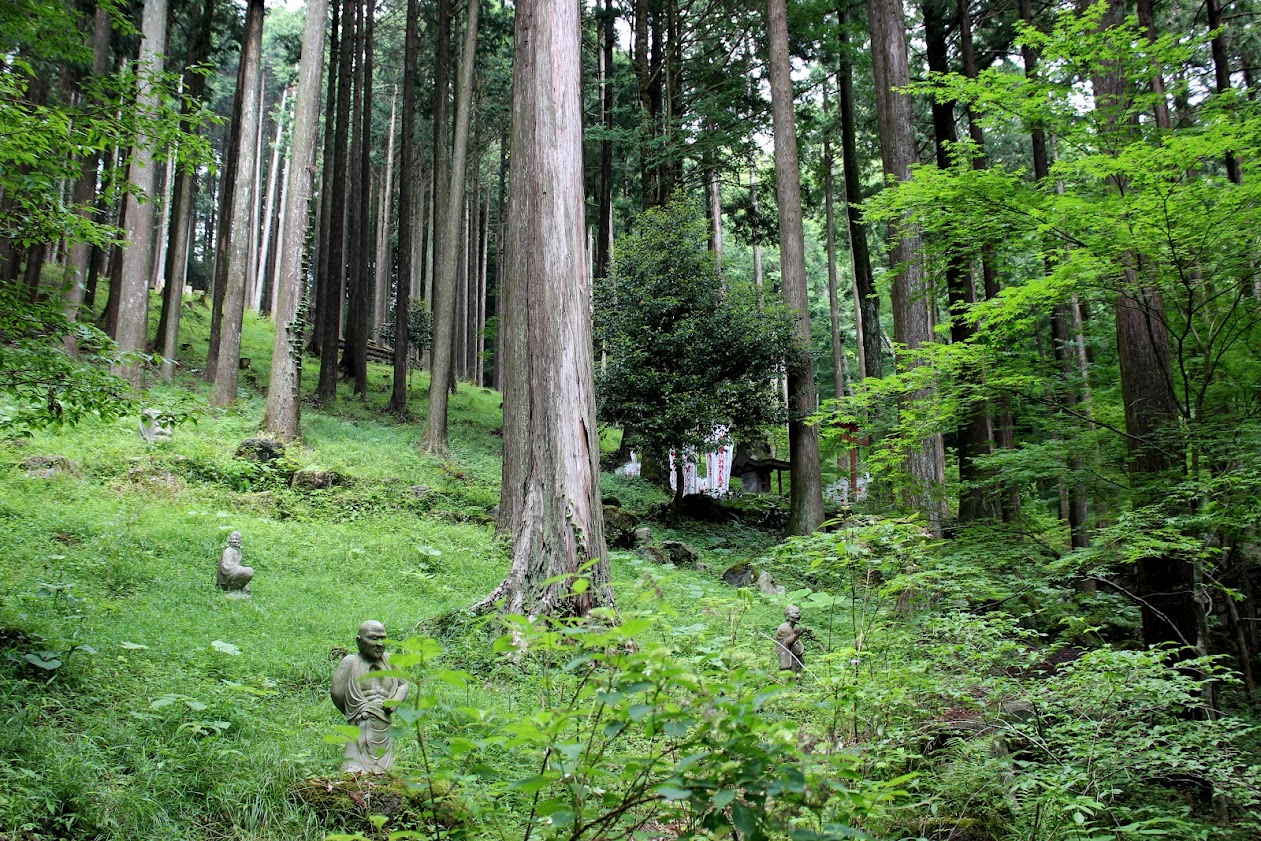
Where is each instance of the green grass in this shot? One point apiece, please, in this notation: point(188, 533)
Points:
point(119, 556)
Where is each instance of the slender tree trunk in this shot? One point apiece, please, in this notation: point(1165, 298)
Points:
point(85, 188)
point(444, 285)
point(282, 415)
point(408, 198)
point(324, 266)
point(439, 209)
point(224, 391)
point(381, 295)
point(1221, 73)
point(227, 199)
point(866, 297)
point(331, 303)
point(256, 193)
point(269, 208)
point(359, 313)
point(280, 237)
point(912, 291)
point(553, 466)
point(806, 497)
point(133, 289)
point(604, 236)
point(973, 435)
point(834, 304)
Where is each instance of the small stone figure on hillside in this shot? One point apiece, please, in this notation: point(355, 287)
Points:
point(233, 575)
point(362, 701)
point(151, 426)
point(788, 645)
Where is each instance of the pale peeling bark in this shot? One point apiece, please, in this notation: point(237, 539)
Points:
point(557, 524)
point(133, 287)
point(281, 417)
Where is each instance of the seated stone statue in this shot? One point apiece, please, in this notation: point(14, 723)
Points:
point(233, 576)
point(362, 700)
point(151, 426)
point(788, 644)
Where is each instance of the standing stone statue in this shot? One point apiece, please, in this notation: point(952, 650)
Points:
point(788, 643)
point(362, 700)
point(233, 575)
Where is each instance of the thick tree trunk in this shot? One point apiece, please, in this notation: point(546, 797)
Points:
point(133, 288)
point(439, 209)
point(408, 198)
point(558, 529)
point(444, 309)
point(224, 391)
point(912, 292)
point(283, 413)
point(806, 498)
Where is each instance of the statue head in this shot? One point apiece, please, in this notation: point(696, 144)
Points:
point(371, 640)
point(793, 614)
point(234, 540)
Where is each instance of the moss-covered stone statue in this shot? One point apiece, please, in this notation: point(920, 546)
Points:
point(362, 700)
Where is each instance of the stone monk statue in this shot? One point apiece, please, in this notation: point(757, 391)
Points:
point(788, 643)
point(362, 700)
point(233, 576)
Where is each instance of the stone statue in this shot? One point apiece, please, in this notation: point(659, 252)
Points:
point(151, 426)
point(788, 643)
point(233, 576)
point(363, 701)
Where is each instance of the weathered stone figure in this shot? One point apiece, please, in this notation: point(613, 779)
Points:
point(362, 700)
point(788, 643)
point(233, 575)
point(151, 426)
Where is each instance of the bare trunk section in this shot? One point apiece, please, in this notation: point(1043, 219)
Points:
point(912, 291)
point(133, 287)
point(381, 293)
point(558, 529)
point(269, 209)
point(80, 253)
point(332, 298)
point(323, 264)
point(408, 198)
point(283, 413)
point(444, 309)
point(866, 298)
point(224, 390)
point(834, 303)
point(806, 495)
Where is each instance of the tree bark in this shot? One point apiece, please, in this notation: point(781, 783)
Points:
point(408, 198)
point(444, 309)
point(283, 412)
point(359, 307)
point(558, 528)
point(912, 291)
point(805, 513)
point(323, 265)
point(224, 391)
point(834, 304)
point(133, 288)
point(269, 208)
point(333, 297)
point(85, 188)
point(381, 293)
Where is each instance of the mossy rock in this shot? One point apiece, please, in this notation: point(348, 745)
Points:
point(619, 527)
point(350, 801)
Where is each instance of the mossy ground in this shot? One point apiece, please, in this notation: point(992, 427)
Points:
point(176, 712)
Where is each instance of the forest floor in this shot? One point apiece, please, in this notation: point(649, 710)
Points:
point(139, 701)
